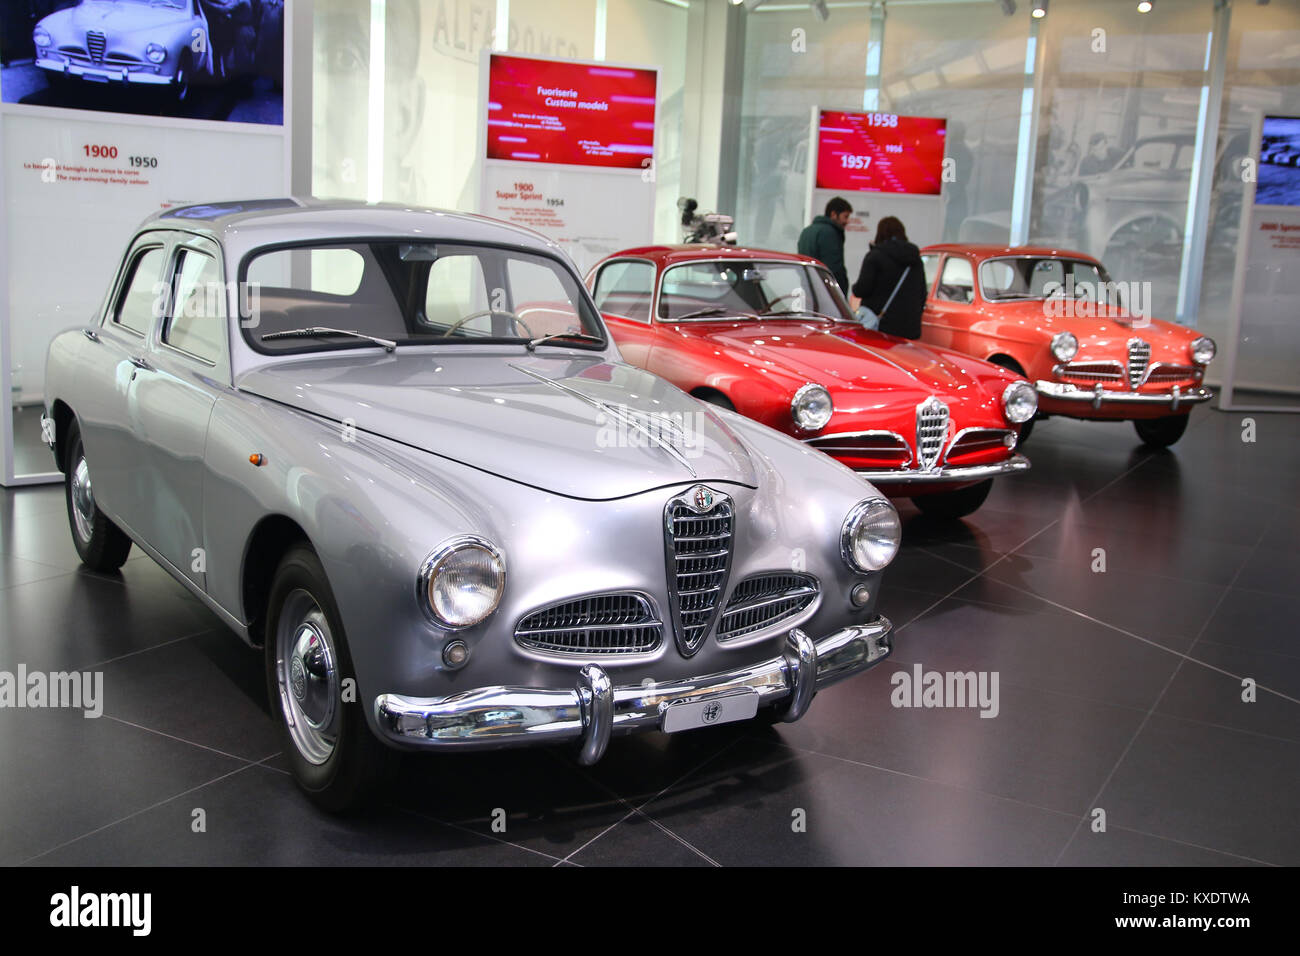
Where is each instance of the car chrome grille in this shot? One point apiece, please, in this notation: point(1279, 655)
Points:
point(1139, 356)
point(1170, 374)
point(698, 528)
point(931, 431)
point(96, 43)
point(1092, 372)
point(883, 447)
point(763, 600)
point(617, 623)
point(977, 440)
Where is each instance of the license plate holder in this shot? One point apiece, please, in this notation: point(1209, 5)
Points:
point(682, 715)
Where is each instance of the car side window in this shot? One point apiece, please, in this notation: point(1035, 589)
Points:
point(198, 320)
point(625, 288)
point(957, 283)
point(929, 262)
point(539, 299)
point(143, 295)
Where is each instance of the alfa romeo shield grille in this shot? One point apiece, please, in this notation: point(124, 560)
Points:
point(931, 431)
point(698, 527)
point(1139, 357)
point(95, 44)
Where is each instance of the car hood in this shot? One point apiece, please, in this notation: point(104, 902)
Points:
point(581, 427)
point(1098, 336)
point(115, 18)
point(841, 354)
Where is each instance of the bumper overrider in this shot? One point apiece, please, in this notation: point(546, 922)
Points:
point(944, 474)
point(593, 709)
point(1174, 399)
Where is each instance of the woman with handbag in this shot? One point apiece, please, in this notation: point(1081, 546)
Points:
point(891, 282)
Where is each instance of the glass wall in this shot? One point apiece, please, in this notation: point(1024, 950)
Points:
point(975, 78)
point(1263, 75)
point(793, 61)
point(1117, 134)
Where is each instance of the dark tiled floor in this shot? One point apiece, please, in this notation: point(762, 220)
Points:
point(1119, 690)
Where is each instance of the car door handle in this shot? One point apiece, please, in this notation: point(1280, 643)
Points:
point(90, 334)
point(140, 363)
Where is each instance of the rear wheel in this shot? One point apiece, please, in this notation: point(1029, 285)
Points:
point(955, 504)
point(1161, 432)
point(311, 684)
point(101, 545)
point(1011, 365)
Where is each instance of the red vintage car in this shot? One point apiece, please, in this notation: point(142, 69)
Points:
point(1056, 318)
point(769, 335)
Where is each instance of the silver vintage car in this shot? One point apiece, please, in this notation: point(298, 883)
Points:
point(399, 450)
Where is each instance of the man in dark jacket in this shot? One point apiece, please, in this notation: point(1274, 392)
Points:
point(882, 268)
point(823, 239)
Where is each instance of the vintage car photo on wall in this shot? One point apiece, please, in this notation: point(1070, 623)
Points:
point(197, 59)
point(427, 486)
point(769, 335)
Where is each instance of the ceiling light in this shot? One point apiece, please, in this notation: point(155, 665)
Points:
point(1040, 9)
point(1144, 6)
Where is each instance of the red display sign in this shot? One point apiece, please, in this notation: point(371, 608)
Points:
point(581, 114)
point(880, 152)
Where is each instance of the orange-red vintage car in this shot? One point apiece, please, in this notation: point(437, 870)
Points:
point(1087, 343)
point(769, 335)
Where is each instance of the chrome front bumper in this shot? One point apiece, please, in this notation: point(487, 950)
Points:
point(1096, 397)
point(142, 74)
point(940, 475)
point(594, 709)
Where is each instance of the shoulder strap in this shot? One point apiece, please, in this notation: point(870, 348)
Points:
point(896, 288)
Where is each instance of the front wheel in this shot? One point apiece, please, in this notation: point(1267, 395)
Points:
point(311, 685)
point(101, 545)
point(955, 504)
point(1161, 432)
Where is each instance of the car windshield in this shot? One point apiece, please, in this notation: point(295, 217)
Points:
point(360, 294)
point(1043, 277)
point(740, 288)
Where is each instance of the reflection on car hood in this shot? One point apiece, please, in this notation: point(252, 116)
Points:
point(117, 20)
point(581, 427)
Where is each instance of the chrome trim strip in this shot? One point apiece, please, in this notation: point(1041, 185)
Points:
point(1099, 396)
point(591, 711)
point(1016, 463)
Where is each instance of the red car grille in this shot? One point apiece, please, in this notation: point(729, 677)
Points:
point(1170, 374)
point(978, 442)
point(865, 451)
point(1093, 372)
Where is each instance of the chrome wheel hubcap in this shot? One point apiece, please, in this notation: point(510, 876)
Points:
point(307, 674)
point(83, 500)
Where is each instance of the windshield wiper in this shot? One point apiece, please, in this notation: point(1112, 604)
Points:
point(542, 340)
point(820, 315)
point(317, 331)
point(713, 310)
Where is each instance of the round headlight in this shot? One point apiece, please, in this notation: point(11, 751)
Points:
point(1064, 346)
point(1019, 402)
point(811, 407)
point(461, 582)
point(1203, 350)
point(40, 37)
point(155, 53)
point(871, 535)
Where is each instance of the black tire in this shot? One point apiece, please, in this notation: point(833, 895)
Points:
point(1161, 432)
point(101, 545)
point(1011, 365)
point(955, 504)
point(716, 398)
point(338, 762)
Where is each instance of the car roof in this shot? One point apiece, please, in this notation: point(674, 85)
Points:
point(990, 250)
point(247, 224)
point(685, 252)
